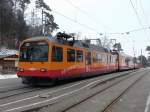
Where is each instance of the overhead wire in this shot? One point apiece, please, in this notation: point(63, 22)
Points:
point(95, 30)
point(81, 24)
point(75, 21)
point(86, 14)
point(144, 14)
point(138, 18)
point(143, 28)
point(138, 29)
point(142, 8)
point(135, 11)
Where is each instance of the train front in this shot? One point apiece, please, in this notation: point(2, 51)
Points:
point(33, 61)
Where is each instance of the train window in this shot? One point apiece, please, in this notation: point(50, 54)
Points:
point(99, 58)
point(103, 58)
point(107, 59)
point(95, 57)
point(110, 59)
point(79, 57)
point(57, 54)
point(70, 55)
point(33, 51)
point(114, 59)
point(88, 58)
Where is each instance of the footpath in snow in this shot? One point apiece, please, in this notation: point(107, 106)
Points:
point(8, 76)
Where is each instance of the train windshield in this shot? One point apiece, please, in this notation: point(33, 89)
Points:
point(34, 51)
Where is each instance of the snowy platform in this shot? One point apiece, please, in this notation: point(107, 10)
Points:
point(8, 76)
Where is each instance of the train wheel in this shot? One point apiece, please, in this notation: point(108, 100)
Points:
point(39, 81)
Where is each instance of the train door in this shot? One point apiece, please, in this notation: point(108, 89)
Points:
point(108, 62)
point(118, 62)
point(88, 61)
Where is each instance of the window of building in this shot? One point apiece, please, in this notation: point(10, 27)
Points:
point(57, 54)
point(79, 57)
point(70, 55)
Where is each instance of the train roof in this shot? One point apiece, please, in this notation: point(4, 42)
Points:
point(76, 43)
point(36, 39)
point(123, 54)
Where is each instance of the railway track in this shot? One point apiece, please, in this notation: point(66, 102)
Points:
point(102, 90)
point(115, 100)
point(11, 88)
point(17, 91)
point(84, 98)
point(54, 97)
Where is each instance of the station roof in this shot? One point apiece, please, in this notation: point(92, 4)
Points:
point(7, 53)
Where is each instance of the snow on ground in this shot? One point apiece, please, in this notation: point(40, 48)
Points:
point(8, 76)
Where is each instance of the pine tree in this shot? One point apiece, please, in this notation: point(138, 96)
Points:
point(48, 23)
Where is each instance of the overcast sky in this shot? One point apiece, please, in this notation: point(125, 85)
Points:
point(105, 16)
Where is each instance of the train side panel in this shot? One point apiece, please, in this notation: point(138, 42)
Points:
point(64, 61)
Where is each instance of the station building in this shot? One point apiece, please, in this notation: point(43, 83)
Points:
point(8, 63)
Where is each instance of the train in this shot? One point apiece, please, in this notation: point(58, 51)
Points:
point(48, 59)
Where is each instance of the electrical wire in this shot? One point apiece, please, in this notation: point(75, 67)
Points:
point(135, 11)
point(142, 8)
point(81, 24)
point(138, 17)
point(139, 29)
point(95, 30)
point(144, 14)
point(86, 14)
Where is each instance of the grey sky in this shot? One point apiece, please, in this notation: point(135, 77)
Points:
point(105, 16)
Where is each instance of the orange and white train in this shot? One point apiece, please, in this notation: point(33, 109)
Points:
point(48, 59)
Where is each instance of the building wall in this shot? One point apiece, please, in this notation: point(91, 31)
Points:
point(8, 65)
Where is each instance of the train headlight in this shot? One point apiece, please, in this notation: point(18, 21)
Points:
point(43, 70)
point(20, 69)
